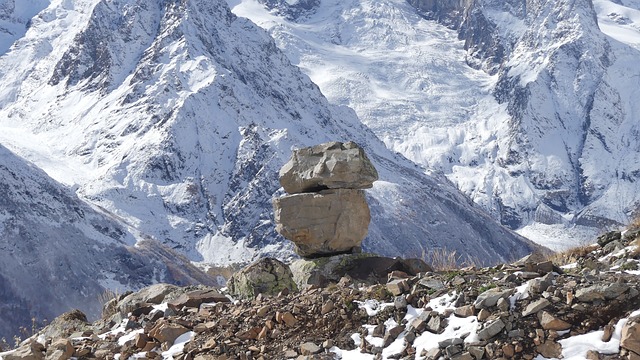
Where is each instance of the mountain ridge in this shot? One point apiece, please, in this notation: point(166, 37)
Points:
point(518, 103)
point(185, 146)
point(57, 247)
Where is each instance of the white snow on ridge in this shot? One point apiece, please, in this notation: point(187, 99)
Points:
point(408, 80)
point(620, 22)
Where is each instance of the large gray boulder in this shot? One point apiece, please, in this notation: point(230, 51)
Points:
point(266, 276)
point(332, 165)
point(324, 223)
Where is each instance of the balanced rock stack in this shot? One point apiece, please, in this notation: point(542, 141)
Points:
point(326, 212)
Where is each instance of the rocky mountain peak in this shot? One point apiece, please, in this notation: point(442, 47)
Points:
point(188, 112)
point(519, 114)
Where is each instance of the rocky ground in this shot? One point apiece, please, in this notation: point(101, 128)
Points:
point(583, 304)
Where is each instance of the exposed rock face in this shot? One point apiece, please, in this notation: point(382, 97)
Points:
point(631, 335)
point(266, 276)
point(327, 213)
point(331, 165)
point(324, 223)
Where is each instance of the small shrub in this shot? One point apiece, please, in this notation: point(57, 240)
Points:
point(381, 293)
point(485, 287)
point(4, 345)
point(635, 222)
point(630, 265)
point(108, 295)
point(349, 302)
point(442, 259)
point(449, 275)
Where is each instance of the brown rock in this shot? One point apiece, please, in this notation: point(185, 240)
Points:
point(210, 344)
point(195, 298)
point(607, 333)
point(60, 349)
point(630, 339)
point(327, 307)
point(398, 287)
point(31, 351)
point(324, 223)
point(149, 346)
point(483, 314)
point(206, 357)
point(550, 349)
point(263, 310)
point(310, 348)
point(103, 353)
point(164, 331)
point(289, 319)
point(328, 166)
point(81, 352)
point(465, 311)
point(250, 334)
point(141, 340)
point(508, 350)
point(593, 355)
point(550, 322)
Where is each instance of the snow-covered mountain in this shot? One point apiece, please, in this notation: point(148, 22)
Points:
point(57, 253)
point(529, 107)
point(175, 116)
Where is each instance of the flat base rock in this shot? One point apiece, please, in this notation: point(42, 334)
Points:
point(324, 223)
point(367, 268)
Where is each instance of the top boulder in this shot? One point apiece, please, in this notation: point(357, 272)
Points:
point(332, 165)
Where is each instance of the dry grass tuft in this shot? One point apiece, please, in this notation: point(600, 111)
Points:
point(635, 223)
point(108, 295)
point(442, 259)
point(572, 255)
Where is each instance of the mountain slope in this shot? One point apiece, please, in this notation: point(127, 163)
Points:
point(518, 103)
point(177, 120)
point(56, 247)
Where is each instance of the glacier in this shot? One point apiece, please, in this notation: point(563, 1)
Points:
point(528, 107)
